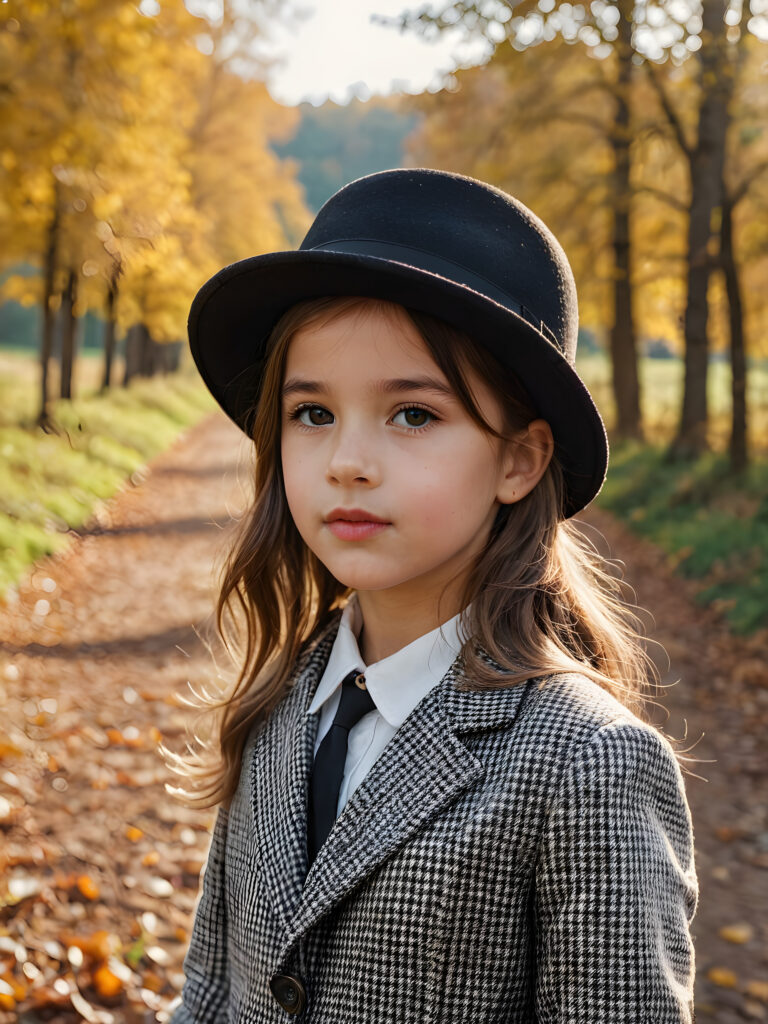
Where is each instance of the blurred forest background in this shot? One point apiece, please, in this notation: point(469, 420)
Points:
point(141, 151)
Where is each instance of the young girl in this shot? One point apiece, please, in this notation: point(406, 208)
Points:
point(438, 801)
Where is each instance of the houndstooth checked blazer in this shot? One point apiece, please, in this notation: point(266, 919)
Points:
point(521, 855)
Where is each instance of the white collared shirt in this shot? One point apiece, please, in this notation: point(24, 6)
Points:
point(396, 684)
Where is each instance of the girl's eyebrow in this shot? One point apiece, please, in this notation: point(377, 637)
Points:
point(387, 387)
point(296, 385)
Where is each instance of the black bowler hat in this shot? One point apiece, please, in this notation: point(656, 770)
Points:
point(440, 243)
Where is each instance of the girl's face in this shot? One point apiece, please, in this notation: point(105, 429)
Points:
point(390, 482)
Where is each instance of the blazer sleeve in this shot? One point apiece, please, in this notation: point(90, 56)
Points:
point(616, 886)
point(206, 989)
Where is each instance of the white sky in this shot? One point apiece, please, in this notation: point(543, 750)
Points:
point(338, 47)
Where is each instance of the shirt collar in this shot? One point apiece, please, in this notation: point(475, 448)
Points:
point(396, 683)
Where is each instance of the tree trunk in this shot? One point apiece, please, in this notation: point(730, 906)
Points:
point(46, 341)
point(170, 352)
point(147, 356)
point(109, 329)
point(738, 443)
point(626, 383)
point(132, 353)
point(706, 168)
point(68, 335)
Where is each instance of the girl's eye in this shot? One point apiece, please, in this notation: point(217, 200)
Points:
point(312, 415)
point(415, 416)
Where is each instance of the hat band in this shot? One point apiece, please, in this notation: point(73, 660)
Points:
point(433, 264)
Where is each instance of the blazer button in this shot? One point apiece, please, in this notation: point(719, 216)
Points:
point(289, 992)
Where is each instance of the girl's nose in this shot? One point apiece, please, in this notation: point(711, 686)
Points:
point(352, 461)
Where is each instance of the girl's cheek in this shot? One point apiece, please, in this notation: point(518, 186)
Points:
point(433, 502)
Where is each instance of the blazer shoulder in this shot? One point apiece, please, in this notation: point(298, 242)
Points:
point(572, 709)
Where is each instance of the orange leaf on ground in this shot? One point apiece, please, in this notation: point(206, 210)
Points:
point(12, 987)
point(133, 833)
point(106, 983)
point(9, 749)
point(722, 976)
point(153, 982)
point(88, 887)
point(99, 945)
point(758, 990)
point(737, 933)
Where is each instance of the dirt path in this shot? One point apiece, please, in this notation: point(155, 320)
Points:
point(99, 867)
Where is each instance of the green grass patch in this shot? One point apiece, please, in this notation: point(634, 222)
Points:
point(52, 483)
point(713, 525)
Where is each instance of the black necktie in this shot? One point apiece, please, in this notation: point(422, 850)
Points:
point(328, 769)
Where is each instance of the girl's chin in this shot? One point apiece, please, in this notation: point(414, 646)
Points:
point(357, 578)
point(365, 582)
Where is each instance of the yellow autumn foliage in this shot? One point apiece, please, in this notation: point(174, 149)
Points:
point(136, 154)
point(536, 122)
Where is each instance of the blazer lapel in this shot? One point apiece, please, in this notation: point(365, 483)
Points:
point(422, 770)
point(281, 758)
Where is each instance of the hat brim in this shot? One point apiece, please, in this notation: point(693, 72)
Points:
point(233, 314)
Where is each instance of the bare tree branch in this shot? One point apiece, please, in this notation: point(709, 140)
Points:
point(665, 197)
point(738, 193)
point(669, 110)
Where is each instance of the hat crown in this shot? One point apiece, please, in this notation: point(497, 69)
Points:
point(461, 228)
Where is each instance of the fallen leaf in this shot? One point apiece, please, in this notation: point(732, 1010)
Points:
point(192, 865)
point(106, 983)
point(9, 749)
point(727, 833)
point(758, 990)
point(738, 933)
point(153, 981)
point(157, 886)
point(158, 954)
point(722, 976)
point(98, 945)
point(86, 1011)
point(88, 887)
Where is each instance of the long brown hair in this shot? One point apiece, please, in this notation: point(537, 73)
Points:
point(539, 599)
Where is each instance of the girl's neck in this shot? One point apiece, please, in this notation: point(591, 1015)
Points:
point(389, 624)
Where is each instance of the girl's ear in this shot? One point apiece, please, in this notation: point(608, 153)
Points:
point(524, 461)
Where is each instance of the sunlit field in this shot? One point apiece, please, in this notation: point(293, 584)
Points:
point(661, 382)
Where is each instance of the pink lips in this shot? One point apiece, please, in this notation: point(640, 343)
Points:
point(354, 523)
